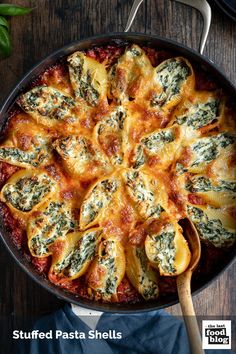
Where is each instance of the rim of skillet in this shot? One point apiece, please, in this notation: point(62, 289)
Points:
point(113, 38)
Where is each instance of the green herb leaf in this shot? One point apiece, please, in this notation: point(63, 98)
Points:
point(13, 10)
point(5, 42)
point(3, 22)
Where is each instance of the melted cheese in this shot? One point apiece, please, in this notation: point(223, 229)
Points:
point(109, 133)
point(129, 75)
point(224, 166)
point(81, 157)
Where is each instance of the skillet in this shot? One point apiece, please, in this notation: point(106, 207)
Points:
point(117, 39)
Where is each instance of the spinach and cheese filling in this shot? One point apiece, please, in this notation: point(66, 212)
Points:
point(37, 154)
point(139, 157)
point(80, 250)
point(25, 192)
point(199, 114)
point(47, 224)
point(167, 249)
point(180, 169)
point(170, 75)
point(160, 249)
point(110, 135)
point(80, 155)
point(155, 142)
point(161, 144)
point(46, 101)
point(96, 201)
point(108, 269)
point(107, 260)
point(139, 190)
point(204, 184)
point(213, 225)
point(88, 78)
point(205, 150)
point(140, 273)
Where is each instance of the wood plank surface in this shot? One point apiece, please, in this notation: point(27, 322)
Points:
point(55, 23)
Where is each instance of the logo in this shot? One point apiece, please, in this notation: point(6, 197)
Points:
point(216, 334)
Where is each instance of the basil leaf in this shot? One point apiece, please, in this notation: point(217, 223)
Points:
point(13, 10)
point(3, 22)
point(5, 42)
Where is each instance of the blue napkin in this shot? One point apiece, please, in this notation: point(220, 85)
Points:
point(150, 332)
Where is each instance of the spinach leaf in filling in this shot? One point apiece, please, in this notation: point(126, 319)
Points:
point(204, 184)
point(148, 286)
point(208, 149)
point(48, 102)
point(165, 251)
point(82, 253)
point(99, 198)
point(171, 76)
point(200, 114)
point(34, 157)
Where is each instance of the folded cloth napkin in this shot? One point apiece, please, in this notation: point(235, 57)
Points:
point(148, 332)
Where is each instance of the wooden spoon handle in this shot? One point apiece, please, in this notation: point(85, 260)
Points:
point(186, 303)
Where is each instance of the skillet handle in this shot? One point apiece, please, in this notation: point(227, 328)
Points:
point(201, 5)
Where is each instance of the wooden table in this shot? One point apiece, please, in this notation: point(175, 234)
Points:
point(55, 23)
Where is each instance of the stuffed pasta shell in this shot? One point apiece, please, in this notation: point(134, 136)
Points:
point(198, 154)
point(88, 78)
point(158, 148)
point(214, 225)
point(97, 201)
point(140, 273)
point(167, 249)
point(215, 192)
point(48, 106)
point(27, 189)
point(81, 157)
point(73, 253)
point(107, 270)
point(143, 191)
point(129, 76)
point(174, 79)
point(110, 135)
point(53, 219)
point(198, 114)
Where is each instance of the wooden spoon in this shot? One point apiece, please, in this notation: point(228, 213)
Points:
point(184, 288)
